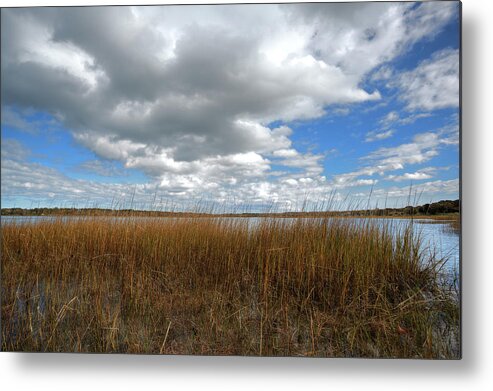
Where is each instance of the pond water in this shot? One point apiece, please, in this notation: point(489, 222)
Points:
point(439, 237)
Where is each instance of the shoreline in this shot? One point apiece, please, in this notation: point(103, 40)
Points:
point(437, 210)
point(444, 217)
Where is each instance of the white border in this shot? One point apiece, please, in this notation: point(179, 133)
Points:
point(36, 372)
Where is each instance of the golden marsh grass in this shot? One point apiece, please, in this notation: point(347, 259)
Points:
point(278, 287)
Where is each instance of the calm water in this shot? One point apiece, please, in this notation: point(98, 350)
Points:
point(437, 236)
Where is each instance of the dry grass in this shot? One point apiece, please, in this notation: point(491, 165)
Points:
point(308, 287)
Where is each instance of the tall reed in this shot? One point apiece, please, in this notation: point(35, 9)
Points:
point(279, 287)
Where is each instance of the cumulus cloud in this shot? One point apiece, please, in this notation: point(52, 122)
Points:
point(34, 182)
point(360, 38)
point(188, 95)
point(310, 162)
point(211, 92)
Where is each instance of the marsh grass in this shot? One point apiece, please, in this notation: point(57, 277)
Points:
point(448, 223)
point(276, 287)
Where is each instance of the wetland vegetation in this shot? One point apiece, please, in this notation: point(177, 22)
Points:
point(325, 287)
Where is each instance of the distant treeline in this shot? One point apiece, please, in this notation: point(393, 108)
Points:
point(92, 212)
point(435, 208)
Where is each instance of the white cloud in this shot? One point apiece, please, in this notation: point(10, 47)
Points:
point(187, 95)
point(391, 118)
point(384, 73)
point(414, 176)
point(433, 84)
point(110, 147)
point(413, 118)
point(311, 163)
point(422, 148)
point(448, 187)
point(374, 136)
point(286, 153)
point(362, 36)
point(199, 81)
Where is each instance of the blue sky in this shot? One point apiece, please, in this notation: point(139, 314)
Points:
point(246, 107)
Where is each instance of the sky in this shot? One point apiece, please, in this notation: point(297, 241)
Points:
point(279, 107)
